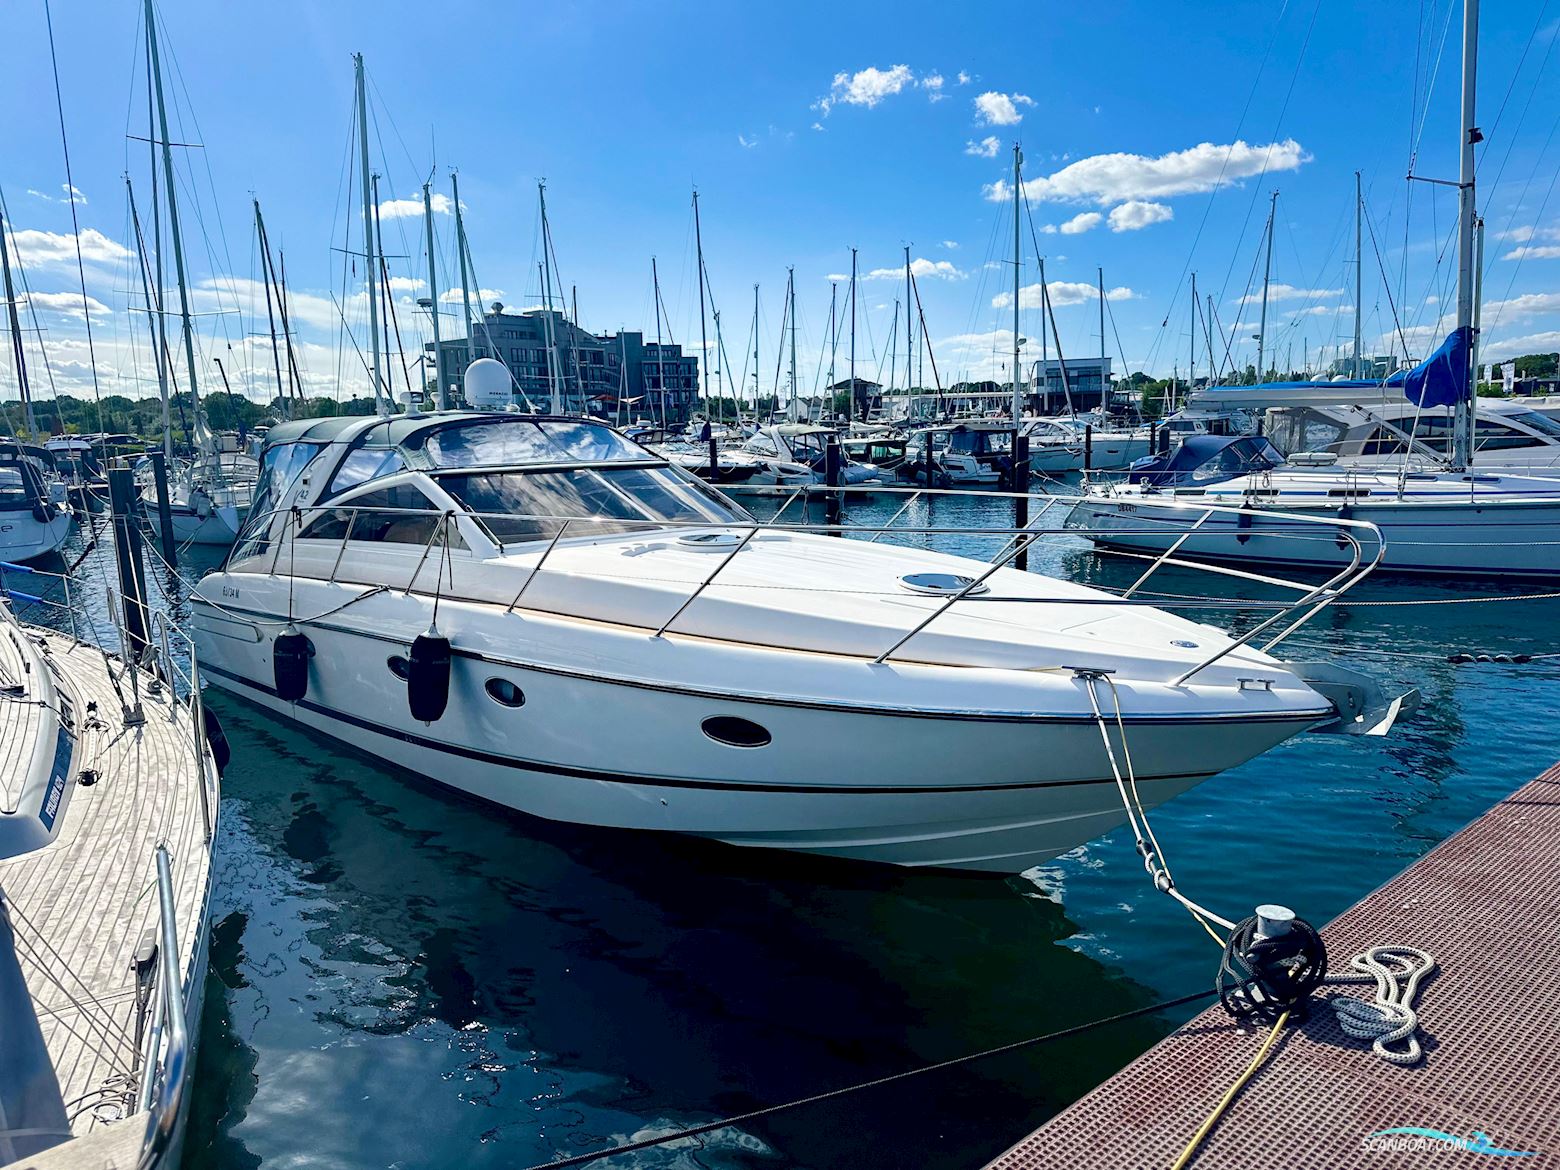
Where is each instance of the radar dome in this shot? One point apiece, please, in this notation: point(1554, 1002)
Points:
point(487, 385)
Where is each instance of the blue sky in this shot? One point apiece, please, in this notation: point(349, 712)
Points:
point(1152, 133)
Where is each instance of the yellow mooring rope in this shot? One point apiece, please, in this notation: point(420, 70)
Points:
point(1206, 1127)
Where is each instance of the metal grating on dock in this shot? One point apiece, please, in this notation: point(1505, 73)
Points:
point(1485, 903)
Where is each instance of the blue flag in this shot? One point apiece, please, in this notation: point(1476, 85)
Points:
point(1442, 378)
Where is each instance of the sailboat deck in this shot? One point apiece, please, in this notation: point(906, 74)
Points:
point(80, 906)
point(19, 728)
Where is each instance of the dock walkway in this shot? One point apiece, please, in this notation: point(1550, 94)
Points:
point(1486, 904)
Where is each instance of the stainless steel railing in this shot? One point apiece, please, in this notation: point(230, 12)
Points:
point(166, 1068)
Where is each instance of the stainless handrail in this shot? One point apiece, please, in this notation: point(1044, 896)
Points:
point(166, 1096)
point(196, 707)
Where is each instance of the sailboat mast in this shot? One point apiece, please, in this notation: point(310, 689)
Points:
point(440, 398)
point(755, 353)
point(16, 334)
point(1018, 394)
point(154, 314)
point(909, 334)
point(547, 318)
point(173, 210)
point(1104, 381)
point(465, 279)
point(1359, 306)
point(270, 312)
point(790, 277)
point(1191, 368)
point(1045, 342)
point(381, 406)
point(660, 352)
point(1267, 276)
point(1462, 438)
point(704, 341)
point(850, 410)
point(834, 336)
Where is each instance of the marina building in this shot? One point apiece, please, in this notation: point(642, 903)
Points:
point(1087, 378)
point(602, 374)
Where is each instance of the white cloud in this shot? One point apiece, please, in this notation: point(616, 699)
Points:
point(481, 298)
point(866, 87)
point(1547, 342)
point(407, 284)
point(1000, 109)
point(1319, 311)
point(932, 83)
point(1288, 292)
point(66, 303)
point(1082, 222)
point(1062, 293)
point(1534, 252)
point(744, 141)
point(951, 245)
point(1525, 305)
point(1136, 214)
point(964, 78)
point(406, 208)
point(1116, 178)
point(987, 147)
point(34, 247)
point(922, 268)
point(817, 125)
point(71, 195)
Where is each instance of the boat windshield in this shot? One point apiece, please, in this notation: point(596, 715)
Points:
point(506, 442)
point(1531, 419)
point(13, 492)
point(520, 506)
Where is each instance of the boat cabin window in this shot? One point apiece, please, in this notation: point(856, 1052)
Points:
point(763, 445)
point(1493, 435)
point(517, 506)
point(400, 514)
point(1303, 429)
point(364, 464)
point(13, 490)
point(1534, 421)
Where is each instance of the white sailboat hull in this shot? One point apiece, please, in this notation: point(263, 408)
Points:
point(1512, 538)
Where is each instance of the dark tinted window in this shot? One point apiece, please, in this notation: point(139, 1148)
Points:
point(365, 464)
point(393, 515)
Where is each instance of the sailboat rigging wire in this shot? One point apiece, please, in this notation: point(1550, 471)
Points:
point(712, 1126)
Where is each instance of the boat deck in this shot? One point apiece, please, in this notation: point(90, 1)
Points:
point(1484, 903)
point(80, 906)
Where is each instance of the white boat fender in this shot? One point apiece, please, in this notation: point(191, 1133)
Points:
point(290, 665)
point(428, 676)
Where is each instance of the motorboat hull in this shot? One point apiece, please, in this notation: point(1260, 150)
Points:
point(24, 537)
point(979, 790)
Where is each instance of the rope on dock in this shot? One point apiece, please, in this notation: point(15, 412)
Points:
point(712, 1126)
point(1390, 1017)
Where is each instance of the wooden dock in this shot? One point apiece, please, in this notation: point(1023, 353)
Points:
point(1486, 904)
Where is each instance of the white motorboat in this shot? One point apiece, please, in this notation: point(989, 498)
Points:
point(623, 646)
point(32, 525)
point(964, 453)
point(793, 454)
point(1065, 444)
point(108, 812)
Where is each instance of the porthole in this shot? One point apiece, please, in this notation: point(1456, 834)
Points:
point(504, 693)
point(735, 732)
point(399, 666)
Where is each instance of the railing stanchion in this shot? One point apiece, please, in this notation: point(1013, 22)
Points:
point(542, 560)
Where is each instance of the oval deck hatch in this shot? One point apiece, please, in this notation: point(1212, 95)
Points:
point(942, 584)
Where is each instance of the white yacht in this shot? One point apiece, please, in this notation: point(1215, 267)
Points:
point(969, 451)
point(32, 525)
point(792, 454)
point(108, 812)
point(539, 612)
point(1061, 444)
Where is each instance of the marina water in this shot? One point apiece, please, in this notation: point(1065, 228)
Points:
point(402, 976)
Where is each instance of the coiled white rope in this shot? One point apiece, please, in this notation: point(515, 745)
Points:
point(1390, 1018)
